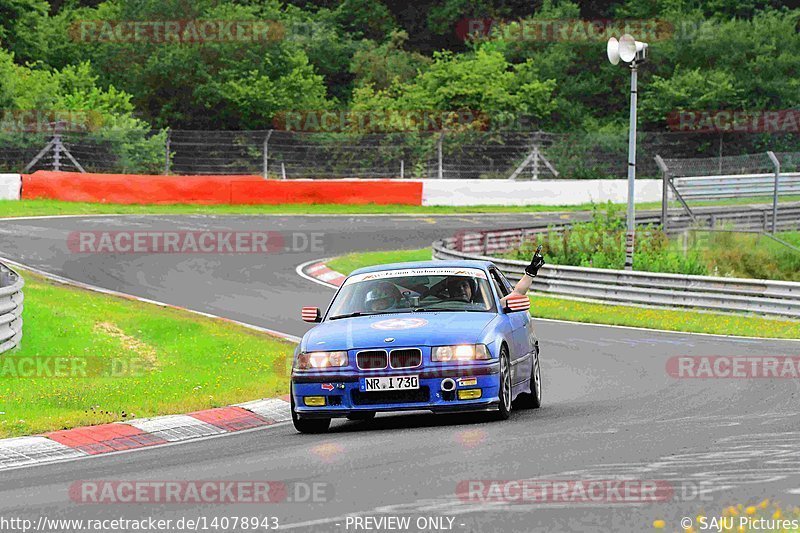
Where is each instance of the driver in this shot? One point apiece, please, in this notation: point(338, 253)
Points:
point(384, 296)
point(460, 288)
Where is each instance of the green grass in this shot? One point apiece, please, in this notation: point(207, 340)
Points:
point(186, 362)
point(619, 315)
point(11, 208)
point(600, 243)
point(348, 263)
point(666, 319)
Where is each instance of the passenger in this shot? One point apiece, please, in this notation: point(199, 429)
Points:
point(383, 297)
point(518, 298)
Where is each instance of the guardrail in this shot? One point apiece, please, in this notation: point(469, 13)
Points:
point(628, 287)
point(745, 218)
point(741, 218)
point(736, 186)
point(743, 176)
point(11, 298)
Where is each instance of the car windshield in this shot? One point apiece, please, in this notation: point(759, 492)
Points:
point(413, 290)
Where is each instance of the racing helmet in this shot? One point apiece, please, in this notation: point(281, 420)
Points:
point(384, 296)
point(456, 286)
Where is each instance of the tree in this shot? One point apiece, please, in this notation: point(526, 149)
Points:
point(18, 18)
point(481, 82)
point(106, 115)
point(380, 65)
point(221, 83)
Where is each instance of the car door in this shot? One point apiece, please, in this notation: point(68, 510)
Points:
point(520, 333)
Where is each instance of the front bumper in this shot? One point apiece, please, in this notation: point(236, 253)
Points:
point(343, 396)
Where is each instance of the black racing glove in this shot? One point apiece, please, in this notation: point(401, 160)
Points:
point(536, 263)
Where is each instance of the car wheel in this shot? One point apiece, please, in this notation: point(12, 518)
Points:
point(309, 425)
point(504, 409)
point(533, 399)
point(368, 415)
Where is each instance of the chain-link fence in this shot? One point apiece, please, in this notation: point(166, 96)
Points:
point(767, 176)
point(445, 155)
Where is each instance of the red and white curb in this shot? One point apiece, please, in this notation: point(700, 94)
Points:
point(322, 272)
point(122, 436)
point(140, 433)
point(318, 272)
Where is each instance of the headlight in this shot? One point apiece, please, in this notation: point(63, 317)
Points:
point(460, 352)
point(310, 360)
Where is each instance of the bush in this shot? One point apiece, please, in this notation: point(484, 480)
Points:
point(745, 255)
point(600, 243)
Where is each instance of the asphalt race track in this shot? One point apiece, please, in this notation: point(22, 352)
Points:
point(610, 407)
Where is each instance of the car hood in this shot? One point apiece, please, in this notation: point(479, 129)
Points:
point(407, 329)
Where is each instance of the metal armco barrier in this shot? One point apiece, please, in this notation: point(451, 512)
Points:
point(627, 287)
point(10, 308)
point(736, 186)
point(739, 217)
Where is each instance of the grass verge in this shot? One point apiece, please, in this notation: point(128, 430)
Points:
point(126, 359)
point(22, 208)
point(11, 208)
point(618, 315)
point(347, 263)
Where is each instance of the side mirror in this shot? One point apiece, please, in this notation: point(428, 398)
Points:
point(517, 302)
point(311, 314)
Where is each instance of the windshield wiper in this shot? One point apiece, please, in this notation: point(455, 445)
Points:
point(351, 315)
point(447, 310)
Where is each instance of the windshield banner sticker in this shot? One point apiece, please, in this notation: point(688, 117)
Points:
point(471, 272)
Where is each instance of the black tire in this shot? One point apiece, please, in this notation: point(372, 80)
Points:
point(533, 399)
point(362, 416)
point(309, 425)
point(504, 408)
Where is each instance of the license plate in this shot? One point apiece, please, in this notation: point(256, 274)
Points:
point(390, 383)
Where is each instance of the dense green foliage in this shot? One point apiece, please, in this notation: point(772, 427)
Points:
point(384, 54)
point(743, 255)
point(600, 243)
point(74, 88)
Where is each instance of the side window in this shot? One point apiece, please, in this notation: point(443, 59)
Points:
point(500, 284)
point(504, 281)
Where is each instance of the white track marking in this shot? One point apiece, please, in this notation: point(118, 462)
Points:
point(300, 270)
point(155, 447)
point(174, 428)
point(29, 451)
point(95, 288)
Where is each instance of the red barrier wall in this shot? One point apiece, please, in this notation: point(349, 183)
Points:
point(138, 189)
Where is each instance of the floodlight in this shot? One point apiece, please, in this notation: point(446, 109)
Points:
point(612, 50)
point(627, 48)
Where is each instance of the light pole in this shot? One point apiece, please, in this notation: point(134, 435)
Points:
point(634, 53)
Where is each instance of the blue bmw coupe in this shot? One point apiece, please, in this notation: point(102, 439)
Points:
point(432, 335)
